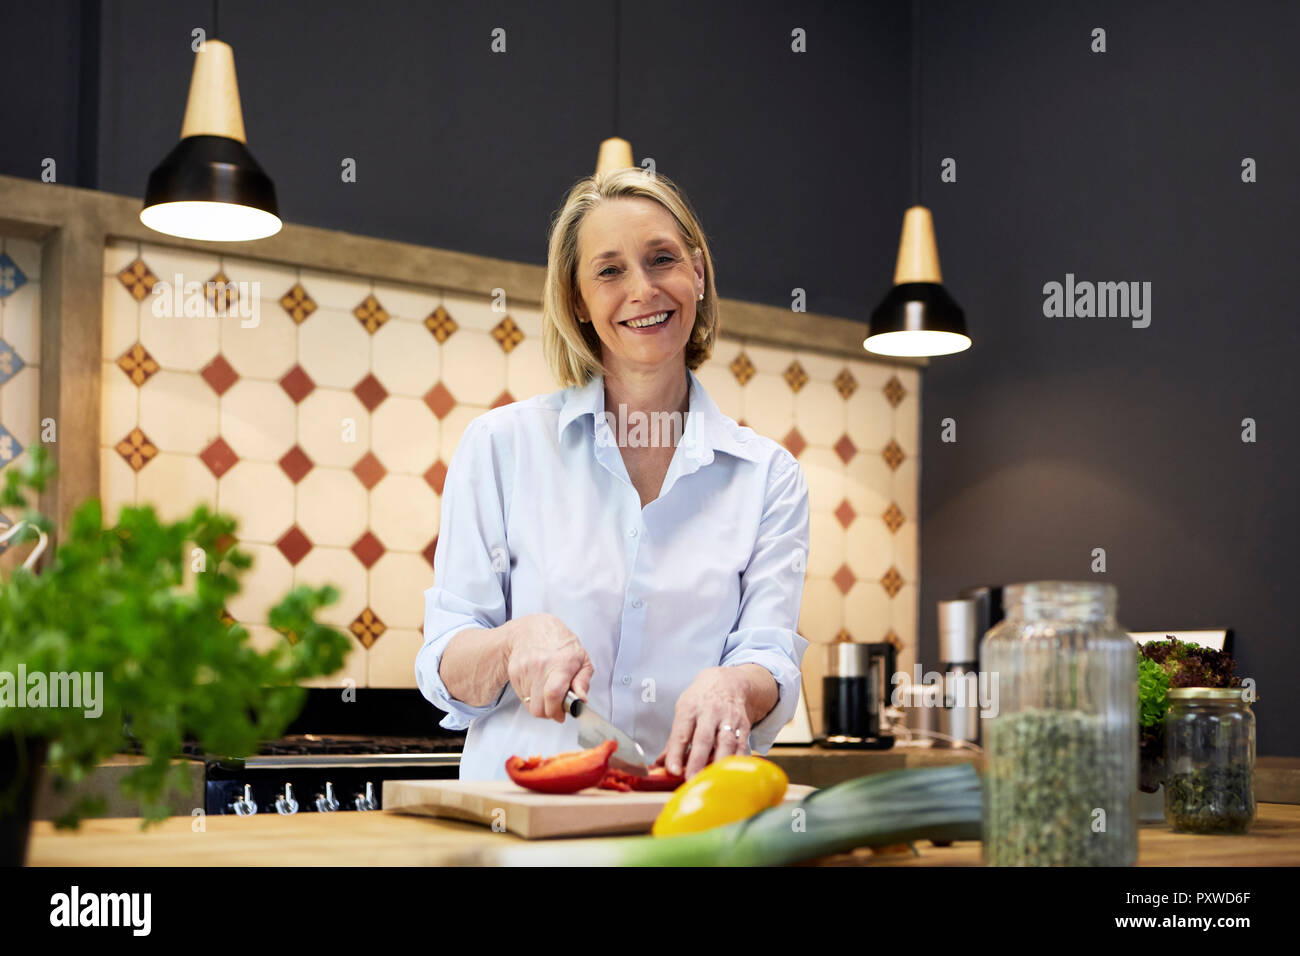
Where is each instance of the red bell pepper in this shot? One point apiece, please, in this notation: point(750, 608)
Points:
point(563, 773)
point(659, 779)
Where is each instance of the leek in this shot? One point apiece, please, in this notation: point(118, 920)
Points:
point(941, 803)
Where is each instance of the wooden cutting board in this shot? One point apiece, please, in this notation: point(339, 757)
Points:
point(506, 805)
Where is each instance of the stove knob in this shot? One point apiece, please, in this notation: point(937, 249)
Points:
point(245, 806)
point(285, 803)
point(326, 802)
point(366, 801)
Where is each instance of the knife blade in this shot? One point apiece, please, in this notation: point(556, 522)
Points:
point(593, 730)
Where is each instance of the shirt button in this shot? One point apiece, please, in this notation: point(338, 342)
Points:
point(626, 680)
point(636, 603)
point(631, 532)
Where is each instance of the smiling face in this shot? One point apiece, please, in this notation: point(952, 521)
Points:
point(632, 268)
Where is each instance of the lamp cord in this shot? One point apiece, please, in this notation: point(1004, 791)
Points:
point(618, 11)
point(916, 101)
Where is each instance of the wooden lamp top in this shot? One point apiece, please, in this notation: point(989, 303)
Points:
point(213, 107)
point(615, 153)
point(918, 255)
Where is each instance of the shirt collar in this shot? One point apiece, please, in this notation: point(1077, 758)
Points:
point(706, 429)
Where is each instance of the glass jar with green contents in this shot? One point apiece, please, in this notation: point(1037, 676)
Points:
point(1060, 785)
point(1209, 760)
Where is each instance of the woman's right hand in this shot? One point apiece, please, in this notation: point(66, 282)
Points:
point(544, 659)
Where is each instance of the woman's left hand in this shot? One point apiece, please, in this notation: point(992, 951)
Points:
point(711, 720)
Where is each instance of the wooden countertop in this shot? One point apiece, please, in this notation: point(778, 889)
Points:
point(391, 839)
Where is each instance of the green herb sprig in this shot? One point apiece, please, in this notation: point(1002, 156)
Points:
point(143, 603)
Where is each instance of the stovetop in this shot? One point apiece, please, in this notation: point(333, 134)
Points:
point(355, 744)
point(337, 747)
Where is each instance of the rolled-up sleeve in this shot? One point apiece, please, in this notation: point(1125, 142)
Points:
point(471, 567)
point(771, 589)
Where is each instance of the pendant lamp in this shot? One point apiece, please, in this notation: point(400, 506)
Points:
point(615, 152)
point(209, 186)
point(918, 316)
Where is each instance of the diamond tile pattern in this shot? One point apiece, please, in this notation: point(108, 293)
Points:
point(10, 363)
point(9, 447)
point(359, 414)
point(368, 549)
point(795, 376)
point(844, 579)
point(369, 471)
point(845, 384)
point(297, 384)
point(138, 279)
point(222, 294)
point(219, 375)
point(507, 334)
point(894, 391)
point(137, 449)
point(441, 324)
point(219, 457)
point(298, 303)
point(12, 278)
point(742, 368)
point(367, 628)
point(436, 476)
point(440, 401)
point(137, 363)
point(370, 392)
point(296, 464)
point(893, 517)
point(371, 314)
point(294, 545)
point(892, 581)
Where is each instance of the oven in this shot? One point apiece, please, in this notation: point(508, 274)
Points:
point(311, 773)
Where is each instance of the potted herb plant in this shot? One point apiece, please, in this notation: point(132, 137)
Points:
point(131, 619)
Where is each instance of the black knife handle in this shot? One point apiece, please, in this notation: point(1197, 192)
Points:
point(573, 704)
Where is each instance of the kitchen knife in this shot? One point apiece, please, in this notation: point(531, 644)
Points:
point(593, 730)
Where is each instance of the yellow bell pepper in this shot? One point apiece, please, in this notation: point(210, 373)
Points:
point(733, 788)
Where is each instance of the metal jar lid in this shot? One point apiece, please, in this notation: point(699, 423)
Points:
point(1206, 693)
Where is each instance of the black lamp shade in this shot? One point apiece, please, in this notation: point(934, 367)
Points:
point(922, 307)
point(213, 169)
point(918, 307)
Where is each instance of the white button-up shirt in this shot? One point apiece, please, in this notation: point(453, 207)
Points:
point(539, 515)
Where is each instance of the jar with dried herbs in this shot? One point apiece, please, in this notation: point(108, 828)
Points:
point(1060, 785)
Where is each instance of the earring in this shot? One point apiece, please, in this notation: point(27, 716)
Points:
point(700, 296)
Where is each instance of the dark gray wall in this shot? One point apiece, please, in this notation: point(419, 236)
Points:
point(1073, 433)
point(1082, 433)
point(463, 149)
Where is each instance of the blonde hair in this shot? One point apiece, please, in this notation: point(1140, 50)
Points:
point(571, 347)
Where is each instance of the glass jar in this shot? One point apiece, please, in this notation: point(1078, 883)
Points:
point(1209, 760)
point(1061, 748)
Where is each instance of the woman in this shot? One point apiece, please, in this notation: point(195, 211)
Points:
point(587, 542)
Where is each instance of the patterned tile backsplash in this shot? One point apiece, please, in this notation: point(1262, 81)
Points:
point(20, 358)
point(322, 410)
